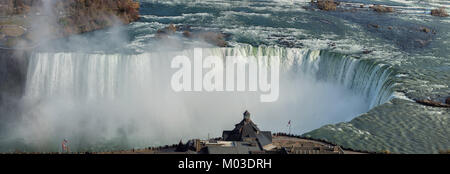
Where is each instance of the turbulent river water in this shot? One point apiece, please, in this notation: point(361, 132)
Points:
point(111, 89)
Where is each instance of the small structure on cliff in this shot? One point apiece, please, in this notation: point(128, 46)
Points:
point(246, 130)
point(245, 138)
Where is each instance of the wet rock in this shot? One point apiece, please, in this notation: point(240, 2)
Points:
point(447, 101)
point(439, 12)
point(169, 30)
point(326, 5)
point(361, 6)
point(325, 21)
point(183, 28)
point(331, 44)
point(428, 102)
point(374, 25)
point(187, 34)
point(279, 35)
point(390, 27)
point(367, 51)
point(214, 38)
point(382, 9)
point(425, 29)
point(286, 43)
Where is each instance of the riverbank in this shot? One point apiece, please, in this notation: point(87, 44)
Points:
point(25, 24)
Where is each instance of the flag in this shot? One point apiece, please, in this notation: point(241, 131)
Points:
point(64, 145)
point(289, 123)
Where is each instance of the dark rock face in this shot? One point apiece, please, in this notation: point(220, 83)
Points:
point(447, 101)
point(439, 12)
point(10, 7)
point(81, 11)
point(13, 69)
point(84, 15)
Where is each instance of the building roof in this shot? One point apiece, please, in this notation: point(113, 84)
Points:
point(246, 129)
point(264, 138)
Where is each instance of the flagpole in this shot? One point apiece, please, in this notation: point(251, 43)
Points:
point(289, 129)
point(289, 125)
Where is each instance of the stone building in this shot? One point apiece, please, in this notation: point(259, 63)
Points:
point(245, 138)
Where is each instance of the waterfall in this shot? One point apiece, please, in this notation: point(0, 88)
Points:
point(372, 80)
point(86, 75)
point(106, 76)
point(120, 101)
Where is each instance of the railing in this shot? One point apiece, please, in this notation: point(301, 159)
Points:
point(322, 141)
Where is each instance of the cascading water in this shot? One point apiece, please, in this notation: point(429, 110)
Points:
point(364, 77)
point(110, 101)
